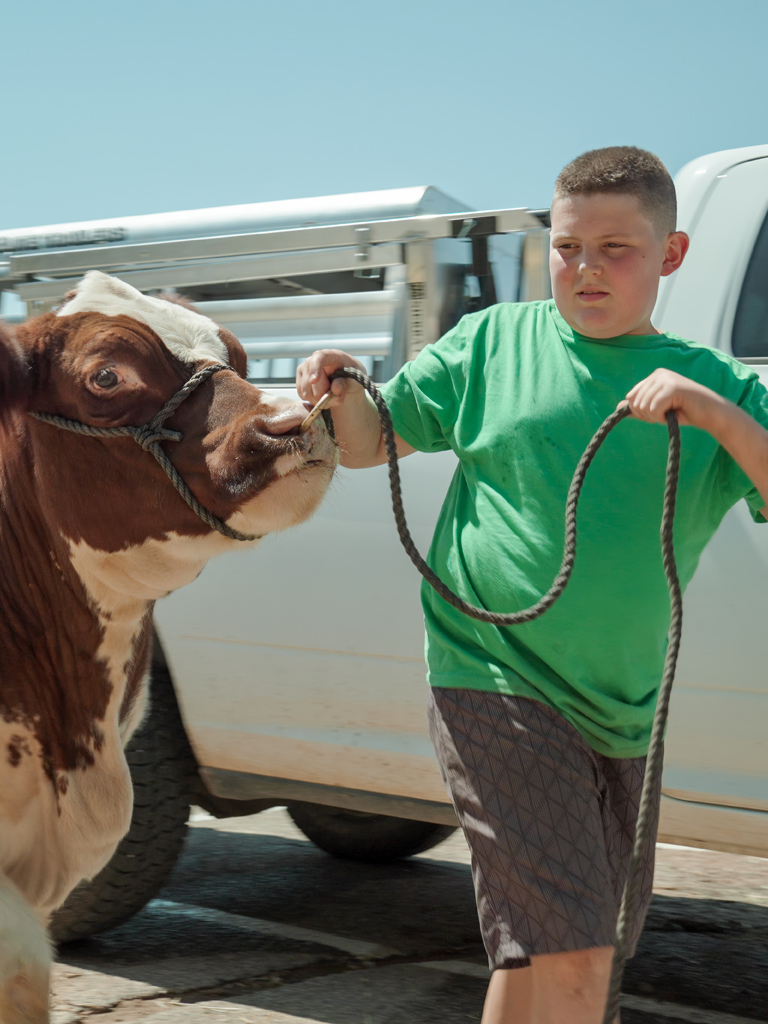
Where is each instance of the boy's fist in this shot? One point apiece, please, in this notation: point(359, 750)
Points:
point(695, 405)
point(312, 376)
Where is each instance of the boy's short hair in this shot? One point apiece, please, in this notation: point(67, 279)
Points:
point(626, 170)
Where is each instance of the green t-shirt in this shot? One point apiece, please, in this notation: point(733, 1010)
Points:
point(517, 395)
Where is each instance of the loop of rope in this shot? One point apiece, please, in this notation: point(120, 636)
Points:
point(644, 832)
point(149, 435)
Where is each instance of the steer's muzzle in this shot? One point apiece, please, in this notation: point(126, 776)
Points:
point(283, 420)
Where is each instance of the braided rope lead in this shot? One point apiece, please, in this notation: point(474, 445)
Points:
point(149, 435)
point(647, 813)
point(645, 833)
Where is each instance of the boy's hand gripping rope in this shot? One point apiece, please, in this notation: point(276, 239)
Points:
point(643, 836)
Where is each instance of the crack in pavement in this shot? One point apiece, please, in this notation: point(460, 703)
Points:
point(325, 967)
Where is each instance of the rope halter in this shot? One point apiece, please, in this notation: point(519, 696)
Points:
point(149, 435)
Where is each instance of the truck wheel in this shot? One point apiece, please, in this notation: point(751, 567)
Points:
point(357, 835)
point(162, 769)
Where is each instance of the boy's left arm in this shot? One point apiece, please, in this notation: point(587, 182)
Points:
point(696, 406)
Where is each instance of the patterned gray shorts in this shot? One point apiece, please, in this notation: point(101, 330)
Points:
point(550, 823)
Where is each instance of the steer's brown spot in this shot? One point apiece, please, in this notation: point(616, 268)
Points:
point(17, 748)
point(51, 683)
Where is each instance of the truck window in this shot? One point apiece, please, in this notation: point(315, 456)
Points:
point(750, 325)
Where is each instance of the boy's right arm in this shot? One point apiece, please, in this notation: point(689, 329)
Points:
point(355, 417)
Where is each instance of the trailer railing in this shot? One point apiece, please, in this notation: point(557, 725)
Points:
point(380, 289)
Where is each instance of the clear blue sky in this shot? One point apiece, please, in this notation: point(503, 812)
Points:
point(111, 109)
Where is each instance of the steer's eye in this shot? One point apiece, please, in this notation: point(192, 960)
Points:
point(106, 379)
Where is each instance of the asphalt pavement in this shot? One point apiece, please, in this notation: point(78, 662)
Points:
point(257, 925)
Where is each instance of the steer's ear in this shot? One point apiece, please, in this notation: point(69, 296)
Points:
point(238, 360)
point(14, 372)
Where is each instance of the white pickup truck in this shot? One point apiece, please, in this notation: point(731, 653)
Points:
point(293, 674)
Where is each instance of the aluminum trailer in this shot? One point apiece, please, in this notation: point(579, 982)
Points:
point(380, 274)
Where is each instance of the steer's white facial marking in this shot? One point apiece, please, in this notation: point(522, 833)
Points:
point(191, 337)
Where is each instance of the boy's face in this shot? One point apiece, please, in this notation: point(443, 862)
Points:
point(606, 258)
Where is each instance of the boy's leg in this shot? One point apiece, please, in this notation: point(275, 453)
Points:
point(570, 987)
point(557, 987)
point(508, 1000)
point(550, 825)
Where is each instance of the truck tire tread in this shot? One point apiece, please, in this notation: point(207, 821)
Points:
point(162, 770)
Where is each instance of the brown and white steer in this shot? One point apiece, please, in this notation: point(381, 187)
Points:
point(92, 532)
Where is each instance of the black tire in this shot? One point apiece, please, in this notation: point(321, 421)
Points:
point(358, 835)
point(162, 769)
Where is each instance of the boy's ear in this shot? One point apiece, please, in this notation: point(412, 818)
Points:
point(14, 372)
point(677, 246)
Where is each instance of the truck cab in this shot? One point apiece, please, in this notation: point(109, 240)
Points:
point(715, 780)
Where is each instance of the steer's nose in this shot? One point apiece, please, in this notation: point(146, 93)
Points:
point(281, 421)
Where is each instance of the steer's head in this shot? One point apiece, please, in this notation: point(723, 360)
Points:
point(113, 357)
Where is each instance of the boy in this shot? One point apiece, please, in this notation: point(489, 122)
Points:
point(541, 730)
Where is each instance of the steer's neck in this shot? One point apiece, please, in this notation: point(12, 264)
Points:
point(55, 687)
point(45, 612)
point(76, 619)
